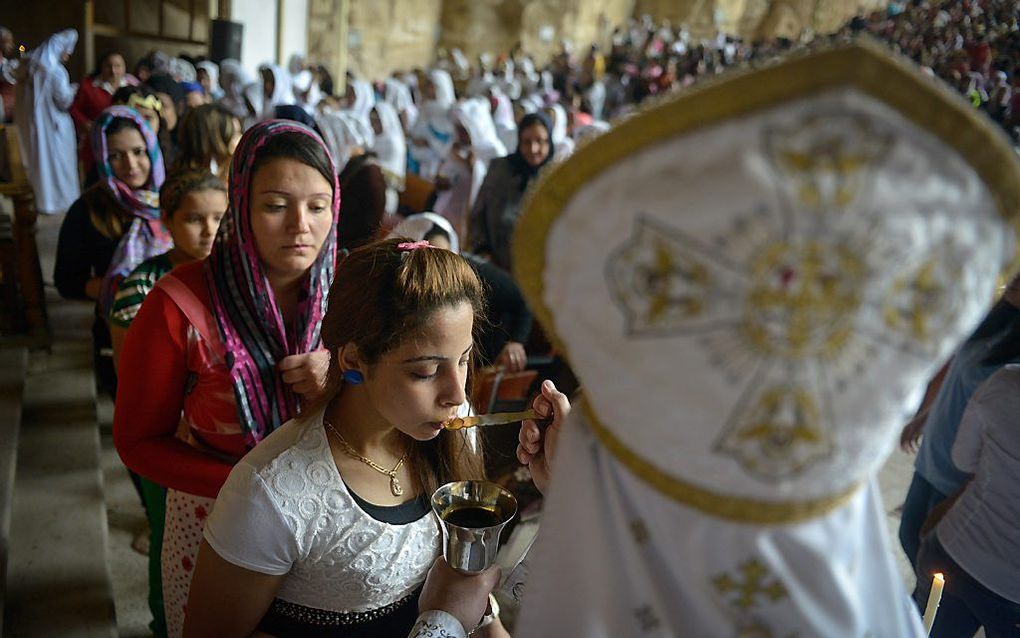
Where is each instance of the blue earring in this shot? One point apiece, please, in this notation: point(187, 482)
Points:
point(353, 377)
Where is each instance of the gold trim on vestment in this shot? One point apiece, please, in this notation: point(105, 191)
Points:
point(735, 508)
point(864, 65)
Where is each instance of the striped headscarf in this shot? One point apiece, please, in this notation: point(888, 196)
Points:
point(146, 236)
point(246, 310)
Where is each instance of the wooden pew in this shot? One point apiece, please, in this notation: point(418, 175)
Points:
point(20, 266)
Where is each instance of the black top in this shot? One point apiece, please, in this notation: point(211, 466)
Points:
point(497, 207)
point(506, 310)
point(402, 514)
point(82, 251)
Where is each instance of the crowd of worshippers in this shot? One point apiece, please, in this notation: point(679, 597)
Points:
point(226, 202)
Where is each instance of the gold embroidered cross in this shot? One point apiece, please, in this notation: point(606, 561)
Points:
point(751, 583)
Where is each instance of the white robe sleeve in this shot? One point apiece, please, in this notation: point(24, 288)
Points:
point(63, 92)
point(437, 624)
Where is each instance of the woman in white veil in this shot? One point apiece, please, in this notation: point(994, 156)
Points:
point(563, 142)
point(503, 118)
point(465, 165)
point(233, 79)
point(342, 136)
point(212, 83)
point(273, 89)
point(45, 130)
point(433, 133)
point(390, 148)
point(398, 95)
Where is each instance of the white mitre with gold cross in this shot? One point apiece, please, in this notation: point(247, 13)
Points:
point(753, 282)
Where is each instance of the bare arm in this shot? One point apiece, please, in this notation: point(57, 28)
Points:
point(226, 600)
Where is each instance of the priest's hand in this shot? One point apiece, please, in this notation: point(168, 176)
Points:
point(537, 445)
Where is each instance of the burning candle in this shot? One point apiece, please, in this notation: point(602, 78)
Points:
point(937, 583)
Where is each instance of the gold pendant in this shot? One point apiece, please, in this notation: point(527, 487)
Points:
point(396, 487)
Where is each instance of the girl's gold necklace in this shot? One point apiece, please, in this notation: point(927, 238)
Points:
point(395, 487)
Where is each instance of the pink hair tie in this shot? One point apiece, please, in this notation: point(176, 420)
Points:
point(414, 245)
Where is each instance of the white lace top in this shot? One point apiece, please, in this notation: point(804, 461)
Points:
point(285, 510)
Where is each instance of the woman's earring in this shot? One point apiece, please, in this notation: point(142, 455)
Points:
point(353, 377)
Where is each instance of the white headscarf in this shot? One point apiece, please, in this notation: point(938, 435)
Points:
point(561, 141)
point(233, 79)
point(398, 95)
point(417, 226)
point(181, 70)
point(749, 341)
point(460, 62)
point(434, 125)
point(213, 72)
point(341, 132)
point(390, 146)
point(282, 93)
point(443, 83)
point(43, 95)
point(473, 115)
point(503, 118)
point(307, 93)
point(364, 99)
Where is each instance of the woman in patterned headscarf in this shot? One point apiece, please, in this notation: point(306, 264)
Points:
point(225, 350)
point(115, 225)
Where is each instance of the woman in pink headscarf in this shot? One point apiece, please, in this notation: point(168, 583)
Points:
point(225, 350)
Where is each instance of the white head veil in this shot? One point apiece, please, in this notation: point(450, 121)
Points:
point(282, 93)
point(213, 71)
point(181, 70)
point(443, 84)
point(473, 114)
point(390, 145)
point(563, 143)
point(46, 134)
point(417, 226)
point(752, 300)
point(434, 125)
point(233, 79)
point(398, 95)
point(503, 119)
point(342, 133)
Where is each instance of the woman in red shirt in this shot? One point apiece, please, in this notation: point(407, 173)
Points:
point(225, 350)
point(95, 93)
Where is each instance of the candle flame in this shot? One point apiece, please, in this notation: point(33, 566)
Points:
point(940, 577)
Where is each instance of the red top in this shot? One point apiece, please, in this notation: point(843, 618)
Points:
point(89, 102)
point(175, 421)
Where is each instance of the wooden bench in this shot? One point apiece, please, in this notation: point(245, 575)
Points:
point(20, 272)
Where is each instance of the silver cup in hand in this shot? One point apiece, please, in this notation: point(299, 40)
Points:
point(472, 514)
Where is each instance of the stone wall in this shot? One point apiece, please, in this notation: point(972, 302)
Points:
point(389, 35)
point(757, 18)
point(494, 26)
